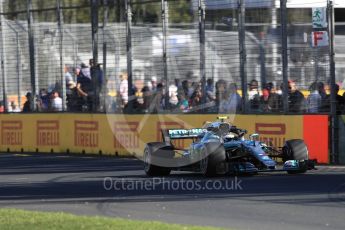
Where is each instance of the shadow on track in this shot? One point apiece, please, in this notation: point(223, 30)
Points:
point(83, 179)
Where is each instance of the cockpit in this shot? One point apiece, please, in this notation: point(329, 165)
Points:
point(225, 130)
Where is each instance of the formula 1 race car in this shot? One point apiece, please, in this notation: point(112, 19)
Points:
point(219, 148)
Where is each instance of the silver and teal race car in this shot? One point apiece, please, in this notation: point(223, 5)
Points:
point(219, 148)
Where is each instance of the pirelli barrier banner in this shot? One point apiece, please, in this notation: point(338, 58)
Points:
point(128, 134)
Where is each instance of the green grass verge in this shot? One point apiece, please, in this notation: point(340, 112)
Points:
point(13, 219)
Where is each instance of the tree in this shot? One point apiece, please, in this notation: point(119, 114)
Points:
point(180, 11)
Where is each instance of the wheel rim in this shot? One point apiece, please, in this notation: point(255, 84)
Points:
point(147, 159)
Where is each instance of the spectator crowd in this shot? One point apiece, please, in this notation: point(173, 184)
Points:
point(85, 94)
point(187, 96)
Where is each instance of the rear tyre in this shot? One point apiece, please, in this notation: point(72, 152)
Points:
point(296, 149)
point(150, 168)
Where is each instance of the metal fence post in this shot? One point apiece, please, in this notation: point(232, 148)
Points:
point(32, 56)
point(243, 52)
point(19, 71)
point(94, 25)
point(165, 53)
point(61, 53)
point(105, 79)
point(3, 59)
point(18, 63)
point(334, 120)
point(283, 21)
point(94, 71)
point(202, 41)
point(129, 53)
point(119, 12)
point(263, 76)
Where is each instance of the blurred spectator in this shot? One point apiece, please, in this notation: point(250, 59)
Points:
point(154, 83)
point(74, 100)
point(119, 102)
point(68, 78)
point(85, 71)
point(45, 100)
point(147, 96)
point(124, 89)
point(220, 95)
point(264, 100)
point(194, 86)
point(232, 102)
point(325, 105)
point(210, 87)
point(173, 99)
point(2, 107)
point(178, 83)
point(254, 95)
point(314, 99)
point(190, 88)
point(157, 100)
point(138, 103)
point(27, 104)
point(149, 85)
point(56, 102)
point(111, 104)
point(85, 85)
point(97, 81)
point(279, 90)
point(210, 96)
point(196, 100)
point(235, 99)
point(13, 108)
point(186, 87)
point(223, 104)
point(77, 70)
point(296, 98)
point(183, 103)
point(340, 100)
point(275, 103)
point(99, 75)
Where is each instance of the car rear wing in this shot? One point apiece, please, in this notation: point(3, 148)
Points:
point(174, 134)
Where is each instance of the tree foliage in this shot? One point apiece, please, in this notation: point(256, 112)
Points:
point(79, 11)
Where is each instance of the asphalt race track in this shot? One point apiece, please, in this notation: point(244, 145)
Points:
point(118, 188)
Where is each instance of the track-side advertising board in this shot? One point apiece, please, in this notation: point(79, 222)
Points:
point(128, 134)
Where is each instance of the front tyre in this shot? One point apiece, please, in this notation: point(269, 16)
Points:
point(297, 150)
point(149, 167)
point(212, 156)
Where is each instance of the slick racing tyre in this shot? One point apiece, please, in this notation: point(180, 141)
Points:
point(153, 154)
point(210, 160)
point(296, 149)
